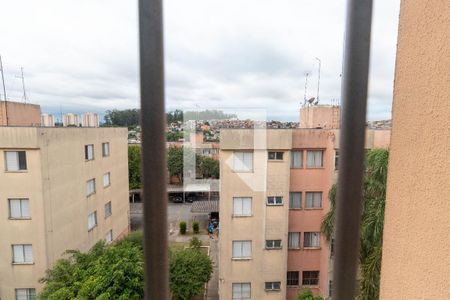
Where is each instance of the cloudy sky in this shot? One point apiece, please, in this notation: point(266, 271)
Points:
point(234, 54)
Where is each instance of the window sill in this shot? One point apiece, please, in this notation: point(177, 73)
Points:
point(22, 263)
point(241, 216)
point(274, 204)
point(273, 290)
point(295, 208)
point(315, 168)
point(280, 248)
point(310, 286)
point(87, 196)
point(86, 160)
point(312, 248)
point(295, 249)
point(275, 160)
point(19, 219)
point(241, 258)
point(242, 171)
point(107, 186)
point(313, 208)
point(16, 171)
point(91, 229)
point(293, 286)
point(296, 168)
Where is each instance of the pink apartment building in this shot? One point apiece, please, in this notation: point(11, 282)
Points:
point(274, 195)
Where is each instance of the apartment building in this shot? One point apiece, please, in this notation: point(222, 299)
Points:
point(19, 114)
point(47, 120)
point(416, 251)
point(274, 195)
point(71, 119)
point(60, 188)
point(90, 119)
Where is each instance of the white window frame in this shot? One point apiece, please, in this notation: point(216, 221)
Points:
point(294, 237)
point(106, 179)
point(90, 191)
point(24, 206)
point(91, 225)
point(316, 156)
point(109, 237)
point(272, 286)
point(300, 160)
point(29, 294)
point(240, 247)
point(311, 203)
point(311, 240)
point(239, 286)
point(274, 200)
point(239, 207)
point(273, 244)
point(89, 152)
point(17, 165)
point(25, 251)
point(242, 161)
point(291, 200)
point(277, 155)
point(108, 213)
point(105, 149)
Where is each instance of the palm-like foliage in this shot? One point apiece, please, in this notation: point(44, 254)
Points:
point(374, 196)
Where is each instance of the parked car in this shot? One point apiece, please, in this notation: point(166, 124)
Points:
point(176, 199)
point(190, 198)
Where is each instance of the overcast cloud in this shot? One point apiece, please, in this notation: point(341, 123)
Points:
point(82, 55)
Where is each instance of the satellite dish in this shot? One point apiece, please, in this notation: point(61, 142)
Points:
point(315, 103)
point(310, 100)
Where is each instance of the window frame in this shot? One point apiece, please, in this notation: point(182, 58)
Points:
point(109, 180)
point(241, 285)
point(273, 287)
point(235, 169)
point(86, 152)
point(94, 185)
point(315, 164)
point(25, 261)
point(21, 159)
point(309, 236)
point(29, 295)
point(291, 279)
point(300, 152)
point(276, 155)
point(313, 200)
point(272, 244)
point(298, 240)
point(108, 204)
point(106, 153)
point(274, 198)
point(90, 228)
point(291, 200)
point(242, 206)
point(10, 217)
point(242, 247)
point(109, 233)
point(308, 279)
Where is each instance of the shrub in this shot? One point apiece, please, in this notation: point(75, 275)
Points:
point(195, 243)
point(195, 227)
point(183, 227)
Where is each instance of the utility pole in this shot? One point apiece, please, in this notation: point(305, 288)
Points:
point(4, 90)
point(318, 80)
point(24, 97)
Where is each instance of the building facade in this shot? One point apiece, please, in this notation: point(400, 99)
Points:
point(60, 189)
point(90, 119)
point(274, 195)
point(71, 119)
point(19, 114)
point(47, 120)
point(416, 251)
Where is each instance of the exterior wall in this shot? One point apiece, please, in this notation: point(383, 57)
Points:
point(267, 222)
point(55, 183)
point(320, 116)
point(19, 114)
point(71, 120)
point(90, 120)
point(416, 259)
point(47, 120)
point(309, 220)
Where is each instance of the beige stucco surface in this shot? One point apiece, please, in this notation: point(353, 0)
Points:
point(416, 251)
point(55, 183)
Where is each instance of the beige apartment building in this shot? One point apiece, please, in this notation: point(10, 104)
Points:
point(416, 248)
point(90, 119)
point(47, 120)
point(19, 114)
point(274, 195)
point(60, 188)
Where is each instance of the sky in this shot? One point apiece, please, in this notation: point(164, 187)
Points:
point(83, 55)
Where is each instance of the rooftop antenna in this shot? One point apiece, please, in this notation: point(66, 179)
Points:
point(306, 88)
point(4, 90)
point(24, 97)
point(318, 80)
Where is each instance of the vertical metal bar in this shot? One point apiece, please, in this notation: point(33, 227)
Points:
point(349, 195)
point(4, 90)
point(153, 149)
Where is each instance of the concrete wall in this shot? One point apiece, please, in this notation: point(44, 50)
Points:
point(320, 116)
point(55, 183)
point(416, 251)
point(19, 114)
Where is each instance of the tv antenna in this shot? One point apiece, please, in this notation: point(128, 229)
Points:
point(3, 78)
point(318, 80)
point(24, 97)
point(306, 88)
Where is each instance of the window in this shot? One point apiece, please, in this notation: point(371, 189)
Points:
point(22, 254)
point(89, 152)
point(336, 160)
point(242, 291)
point(242, 206)
point(109, 237)
point(25, 294)
point(92, 220)
point(311, 240)
point(332, 247)
point(243, 161)
point(315, 159)
point(107, 179)
point(16, 160)
point(330, 288)
point(292, 278)
point(90, 187)
point(313, 200)
point(275, 155)
point(275, 200)
point(296, 159)
point(273, 286)
point(242, 249)
point(295, 200)
point(19, 209)
point(294, 240)
point(273, 244)
point(310, 278)
point(105, 149)
point(108, 209)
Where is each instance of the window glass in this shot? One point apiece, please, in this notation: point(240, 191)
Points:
point(295, 200)
point(19, 208)
point(243, 161)
point(242, 249)
point(296, 159)
point(312, 239)
point(294, 240)
point(314, 159)
point(313, 200)
point(310, 278)
point(242, 206)
point(274, 200)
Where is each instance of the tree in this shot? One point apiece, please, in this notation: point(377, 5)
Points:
point(105, 272)
point(189, 269)
point(175, 162)
point(123, 118)
point(308, 295)
point(209, 167)
point(372, 222)
point(134, 167)
point(174, 136)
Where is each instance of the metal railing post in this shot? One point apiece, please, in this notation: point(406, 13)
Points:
point(153, 149)
point(352, 140)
